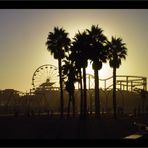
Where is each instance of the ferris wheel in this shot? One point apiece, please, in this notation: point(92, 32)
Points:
point(45, 77)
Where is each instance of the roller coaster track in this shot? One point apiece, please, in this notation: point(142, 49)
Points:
point(126, 82)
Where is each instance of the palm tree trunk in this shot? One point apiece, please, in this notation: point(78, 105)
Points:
point(69, 101)
point(114, 93)
point(85, 91)
point(97, 99)
point(61, 87)
point(81, 99)
point(73, 104)
point(91, 102)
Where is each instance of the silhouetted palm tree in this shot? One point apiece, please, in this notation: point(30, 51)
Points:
point(79, 50)
point(58, 43)
point(98, 55)
point(76, 58)
point(70, 75)
point(117, 52)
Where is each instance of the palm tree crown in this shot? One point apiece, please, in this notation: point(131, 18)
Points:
point(117, 51)
point(97, 43)
point(79, 49)
point(58, 42)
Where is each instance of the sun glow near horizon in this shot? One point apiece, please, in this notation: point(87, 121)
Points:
point(104, 72)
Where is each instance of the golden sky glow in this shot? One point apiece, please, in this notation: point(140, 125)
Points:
point(23, 34)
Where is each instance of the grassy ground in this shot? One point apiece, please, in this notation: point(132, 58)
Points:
point(44, 127)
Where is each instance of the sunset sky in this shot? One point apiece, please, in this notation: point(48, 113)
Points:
point(23, 34)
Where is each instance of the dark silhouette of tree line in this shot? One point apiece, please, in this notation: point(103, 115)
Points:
point(73, 55)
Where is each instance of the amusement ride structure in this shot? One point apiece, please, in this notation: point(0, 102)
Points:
point(45, 78)
point(123, 82)
point(45, 90)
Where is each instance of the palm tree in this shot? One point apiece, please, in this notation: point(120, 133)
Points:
point(117, 52)
point(98, 55)
point(58, 43)
point(76, 58)
point(70, 75)
point(80, 53)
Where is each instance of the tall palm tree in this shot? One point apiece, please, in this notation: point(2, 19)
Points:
point(58, 43)
point(80, 45)
point(76, 57)
point(117, 52)
point(97, 54)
